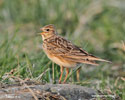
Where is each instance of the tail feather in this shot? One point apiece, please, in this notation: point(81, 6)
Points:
point(91, 57)
point(86, 57)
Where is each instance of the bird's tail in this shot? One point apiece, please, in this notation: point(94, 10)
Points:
point(90, 59)
point(93, 58)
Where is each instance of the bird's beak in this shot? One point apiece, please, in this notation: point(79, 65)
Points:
point(41, 31)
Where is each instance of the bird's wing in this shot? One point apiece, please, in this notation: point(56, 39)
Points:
point(61, 47)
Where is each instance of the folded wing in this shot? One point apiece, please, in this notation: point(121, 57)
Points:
point(61, 47)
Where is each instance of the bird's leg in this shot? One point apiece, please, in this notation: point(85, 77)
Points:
point(67, 72)
point(61, 69)
point(77, 73)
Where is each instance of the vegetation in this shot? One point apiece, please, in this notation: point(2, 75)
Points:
point(98, 26)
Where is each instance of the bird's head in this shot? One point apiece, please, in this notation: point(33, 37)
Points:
point(47, 31)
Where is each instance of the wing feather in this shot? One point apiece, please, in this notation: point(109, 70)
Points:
point(62, 47)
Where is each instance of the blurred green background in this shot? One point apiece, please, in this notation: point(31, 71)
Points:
point(98, 26)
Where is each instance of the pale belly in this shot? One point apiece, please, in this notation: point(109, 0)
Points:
point(65, 64)
point(62, 62)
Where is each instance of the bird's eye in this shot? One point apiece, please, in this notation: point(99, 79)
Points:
point(47, 29)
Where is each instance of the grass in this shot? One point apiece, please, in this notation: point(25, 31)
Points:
point(98, 27)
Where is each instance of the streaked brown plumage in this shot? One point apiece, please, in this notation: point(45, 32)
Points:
point(63, 52)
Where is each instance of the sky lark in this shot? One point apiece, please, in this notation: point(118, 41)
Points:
point(63, 52)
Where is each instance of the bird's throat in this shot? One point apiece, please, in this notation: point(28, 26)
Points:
point(47, 36)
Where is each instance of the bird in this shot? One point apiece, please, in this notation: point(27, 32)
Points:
point(63, 52)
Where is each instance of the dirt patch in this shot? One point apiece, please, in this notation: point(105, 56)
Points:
point(46, 92)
